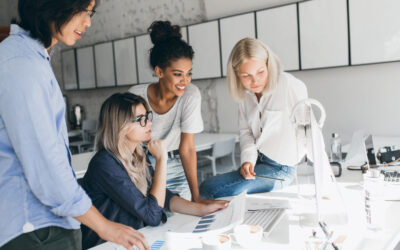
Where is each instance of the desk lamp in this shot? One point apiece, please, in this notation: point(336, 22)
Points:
point(309, 136)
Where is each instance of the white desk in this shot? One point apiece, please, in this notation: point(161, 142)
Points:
point(202, 141)
point(292, 231)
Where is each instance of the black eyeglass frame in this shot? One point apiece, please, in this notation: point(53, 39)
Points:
point(90, 12)
point(143, 122)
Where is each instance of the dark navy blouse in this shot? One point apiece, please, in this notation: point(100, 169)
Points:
point(115, 195)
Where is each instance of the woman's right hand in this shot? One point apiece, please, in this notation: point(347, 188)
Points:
point(247, 171)
point(124, 236)
point(157, 149)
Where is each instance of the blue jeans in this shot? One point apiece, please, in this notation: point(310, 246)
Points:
point(176, 178)
point(233, 183)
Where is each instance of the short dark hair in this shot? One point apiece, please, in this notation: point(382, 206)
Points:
point(168, 44)
point(36, 16)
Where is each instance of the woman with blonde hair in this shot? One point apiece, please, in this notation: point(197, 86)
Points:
point(119, 178)
point(266, 97)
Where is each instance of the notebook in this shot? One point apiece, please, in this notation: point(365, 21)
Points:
point(215, 223)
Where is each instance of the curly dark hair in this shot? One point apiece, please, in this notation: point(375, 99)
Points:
point(168, 44)
point(37, 16)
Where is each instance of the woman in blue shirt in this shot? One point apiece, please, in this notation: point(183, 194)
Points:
point(119, 179)
point(42, 204)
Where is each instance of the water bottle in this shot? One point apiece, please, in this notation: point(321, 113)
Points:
point(336, 148)
point(373, 196)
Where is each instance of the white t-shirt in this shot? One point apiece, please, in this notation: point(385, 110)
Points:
point(183, 117)
point(266, 125)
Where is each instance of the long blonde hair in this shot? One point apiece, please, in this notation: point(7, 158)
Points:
point(250, 48)
point(116, 114)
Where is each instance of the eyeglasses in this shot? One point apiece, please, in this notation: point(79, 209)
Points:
point(142, 119)
point(88, 13)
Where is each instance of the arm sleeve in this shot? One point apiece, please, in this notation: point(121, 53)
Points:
point(26, 108)
point(248, 148)
point(168, 193)
point(117, 185)
point(168, 197)
point(191, 120)
point(297, 91)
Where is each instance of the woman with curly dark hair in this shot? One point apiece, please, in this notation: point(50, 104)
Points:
point(176, 105)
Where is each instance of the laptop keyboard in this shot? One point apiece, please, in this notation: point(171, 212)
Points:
point(266, 218)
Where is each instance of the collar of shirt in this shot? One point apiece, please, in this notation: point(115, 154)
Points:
point(259, 104)
point(33, 43)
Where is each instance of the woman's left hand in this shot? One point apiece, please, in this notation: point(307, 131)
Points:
point(210, 201)
point(206, 209)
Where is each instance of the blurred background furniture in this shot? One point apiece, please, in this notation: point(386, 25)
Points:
point(224, 151)
point(4, 32)
point(86, 137)
point(204, 143)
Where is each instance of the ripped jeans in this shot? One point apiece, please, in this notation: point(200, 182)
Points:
point(233, 183)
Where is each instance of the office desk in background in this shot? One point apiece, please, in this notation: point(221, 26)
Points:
point(202, 141)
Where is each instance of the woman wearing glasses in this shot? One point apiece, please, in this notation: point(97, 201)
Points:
point(119, 180)
point(176, 106)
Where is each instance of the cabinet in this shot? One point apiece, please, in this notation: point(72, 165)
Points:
point(277, 27)
point(232, 30)
point(68, 62)
point(104, 62)
point(207, 60)
point(86, 70)
point(323, 34)
point(374, 31)
point(125, 61)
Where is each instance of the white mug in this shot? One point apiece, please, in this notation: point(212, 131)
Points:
point(217, 242)
point(248, 235)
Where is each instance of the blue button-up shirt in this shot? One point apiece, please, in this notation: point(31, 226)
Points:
point(37, 185)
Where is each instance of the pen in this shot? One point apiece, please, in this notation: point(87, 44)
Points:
point(324, 228)
point(272, 178)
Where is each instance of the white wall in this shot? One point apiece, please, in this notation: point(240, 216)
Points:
point(8, 10)
point(227, 109)
point(3, 13)
point(357, 97)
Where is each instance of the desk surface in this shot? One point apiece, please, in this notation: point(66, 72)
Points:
point(291, 231)
point(203, 141)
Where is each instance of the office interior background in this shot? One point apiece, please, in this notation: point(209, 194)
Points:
point(364, 96)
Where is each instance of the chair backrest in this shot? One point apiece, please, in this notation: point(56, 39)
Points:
point(89, 127)
point(223, 148)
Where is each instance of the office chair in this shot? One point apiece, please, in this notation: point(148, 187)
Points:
point(89, 128)
point(220, 149)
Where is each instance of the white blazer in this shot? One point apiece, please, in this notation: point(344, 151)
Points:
point(266, 125)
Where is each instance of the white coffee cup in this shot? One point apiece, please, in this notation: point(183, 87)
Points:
point(248, 235)
point(217, 242)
